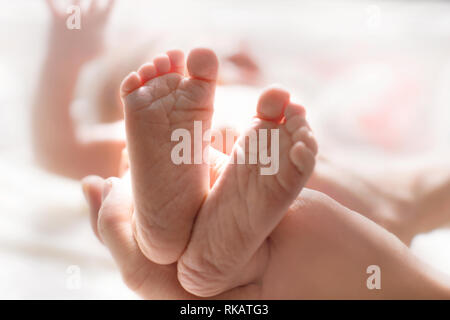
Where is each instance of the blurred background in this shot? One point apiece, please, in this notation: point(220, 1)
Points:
point(374, 76)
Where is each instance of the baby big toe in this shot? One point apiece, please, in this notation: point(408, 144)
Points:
point(203, 64)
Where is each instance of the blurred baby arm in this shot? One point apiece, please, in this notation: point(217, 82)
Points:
point(56, 145)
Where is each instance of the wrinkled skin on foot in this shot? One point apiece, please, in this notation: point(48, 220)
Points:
point(158, 102)
point(245, 205)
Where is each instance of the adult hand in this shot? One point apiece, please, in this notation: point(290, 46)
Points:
point(319, 250)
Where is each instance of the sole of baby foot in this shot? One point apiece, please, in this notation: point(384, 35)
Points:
point(228, 246)
point(160, 102)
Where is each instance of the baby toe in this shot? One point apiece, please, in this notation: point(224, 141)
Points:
point(147, 72)
point(272, 103)
point(203, 64)
point(130, 83)
point(305, 135)
point(177, 63)
point(302, 157)
point(296, 122)
point(162, 64)
point(293, 109)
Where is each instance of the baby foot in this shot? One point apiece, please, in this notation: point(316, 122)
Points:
point(246, 203)
point(158, 99)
